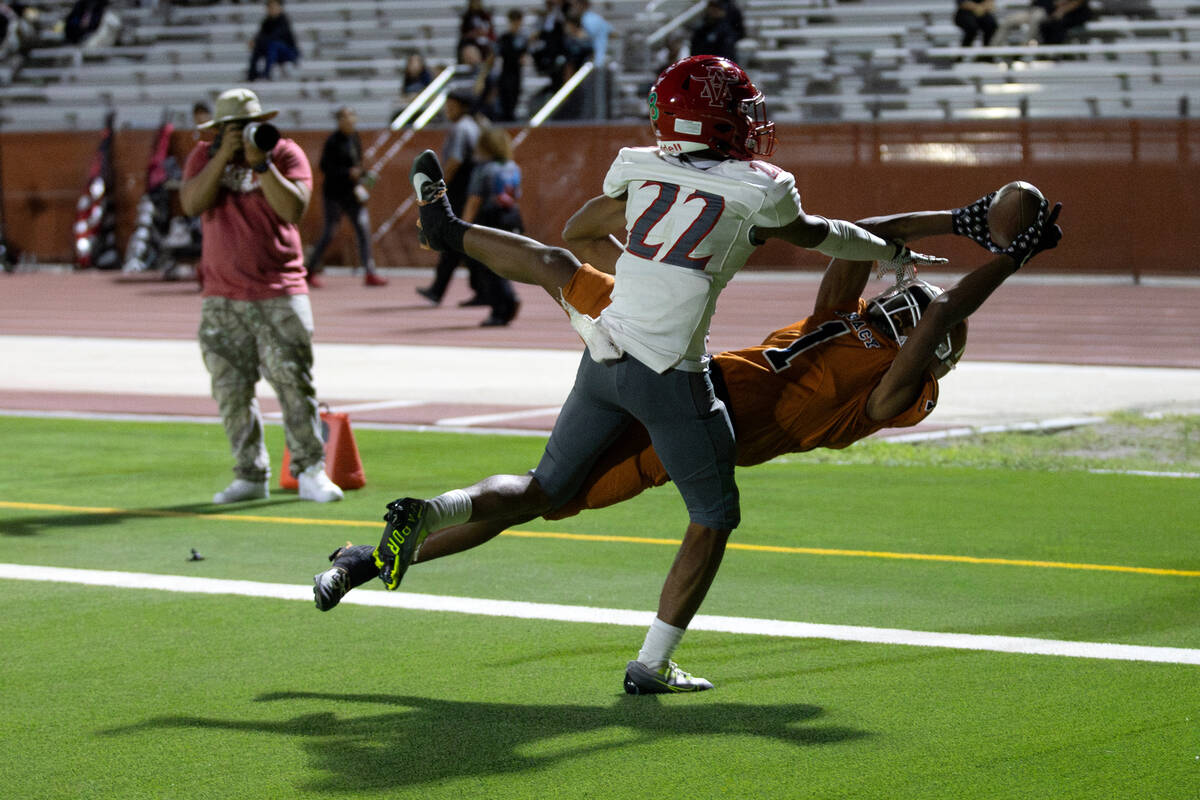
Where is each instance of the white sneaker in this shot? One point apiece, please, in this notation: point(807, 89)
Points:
point(316, 486)
point(242, 489)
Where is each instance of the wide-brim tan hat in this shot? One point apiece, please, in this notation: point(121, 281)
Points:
point(237, 105)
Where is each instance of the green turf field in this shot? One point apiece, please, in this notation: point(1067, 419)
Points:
point(137, 693)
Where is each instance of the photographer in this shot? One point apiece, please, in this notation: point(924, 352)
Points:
point(251, 188)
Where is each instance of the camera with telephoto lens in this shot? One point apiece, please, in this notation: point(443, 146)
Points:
point(264, 135)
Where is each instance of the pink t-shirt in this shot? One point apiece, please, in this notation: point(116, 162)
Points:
point(249, 251)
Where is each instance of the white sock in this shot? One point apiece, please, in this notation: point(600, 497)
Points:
point(661, 641)
point(445, 510)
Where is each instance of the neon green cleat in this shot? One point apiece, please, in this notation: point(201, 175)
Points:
point(640, 679)
point(402, 535)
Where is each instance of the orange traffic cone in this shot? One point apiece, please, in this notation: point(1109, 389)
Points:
point(342, 462)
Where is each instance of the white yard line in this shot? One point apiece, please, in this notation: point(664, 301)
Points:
point(507, 416)
point(1145, 473)
point(611, 616)
point(373, 406)
point(1045, 425)
point(103, 416)
point(107, 416)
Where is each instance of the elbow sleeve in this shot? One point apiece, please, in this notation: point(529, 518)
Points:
point(847, 240)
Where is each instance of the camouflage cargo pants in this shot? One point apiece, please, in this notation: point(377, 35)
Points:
point(242, 340)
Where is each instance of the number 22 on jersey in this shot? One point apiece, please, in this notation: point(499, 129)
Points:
point(705, 209)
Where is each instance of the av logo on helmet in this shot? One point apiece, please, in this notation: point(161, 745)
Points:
point(716, 87)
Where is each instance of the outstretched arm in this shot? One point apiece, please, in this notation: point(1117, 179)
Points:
point(911, 226)
point(591, 232)
point(844, 280)
point(902, 382)
point(840, 239)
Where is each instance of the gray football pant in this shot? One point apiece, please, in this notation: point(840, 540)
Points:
point(242, 340)
point(689, 428)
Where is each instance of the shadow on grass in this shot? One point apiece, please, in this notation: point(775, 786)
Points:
point(32, 526)
point(429, 740)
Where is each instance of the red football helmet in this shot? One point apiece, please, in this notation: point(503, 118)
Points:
point(709, 103)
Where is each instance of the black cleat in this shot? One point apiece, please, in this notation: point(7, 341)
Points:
point(640, 679)
point(441, 230)
point(329, 587)
point(427, 179)
point(353, 565)
point(402, 535)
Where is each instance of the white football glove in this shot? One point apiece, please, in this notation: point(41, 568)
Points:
point(905, 257)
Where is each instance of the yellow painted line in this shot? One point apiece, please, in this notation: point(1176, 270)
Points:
point(590, 537)
point(821, 551)
point(153, 512)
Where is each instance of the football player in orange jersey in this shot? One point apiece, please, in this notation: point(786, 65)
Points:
point(686, 208)
point(885, 354)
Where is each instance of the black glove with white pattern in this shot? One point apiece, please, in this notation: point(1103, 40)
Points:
point(971, 221)
point(1043, 234)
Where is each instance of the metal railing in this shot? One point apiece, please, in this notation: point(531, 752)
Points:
point(544, 113)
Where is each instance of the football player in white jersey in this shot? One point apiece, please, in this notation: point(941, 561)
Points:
point(692, 210)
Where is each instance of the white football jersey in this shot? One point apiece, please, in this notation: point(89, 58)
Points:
point(687, 232)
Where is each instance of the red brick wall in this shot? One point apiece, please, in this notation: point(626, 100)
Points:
point(1128, 186)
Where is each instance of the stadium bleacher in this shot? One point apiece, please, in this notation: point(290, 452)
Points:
point(815, 59)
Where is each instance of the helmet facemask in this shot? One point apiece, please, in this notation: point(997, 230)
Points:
point(900, 308)
point(760, 138)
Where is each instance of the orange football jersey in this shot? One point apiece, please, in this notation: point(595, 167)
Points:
point(805, 386)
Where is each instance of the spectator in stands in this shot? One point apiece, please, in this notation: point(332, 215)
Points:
point(17, 31)
point(492, 195)
point(547, 44)
point(596, 87)
point(715, 36)
point(1061, 17)
point(476, 28)
point(472, 69)
point(733, 15)
point(578, 48)
point(597, 27)
point(673, 50)
point(513, 49)
point(82, 19)
point(1026, 22)
point(256, 319)
point(343, 193)
point(457, 157)
point(976, 18)
point(416, 77)
point(91, 24)
point(273, 44)
point(473, 76)
point(577, 51)
point(9, 42)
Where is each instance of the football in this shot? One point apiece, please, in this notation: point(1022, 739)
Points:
point(1013, 209)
